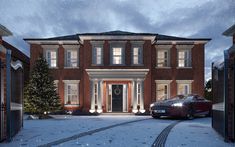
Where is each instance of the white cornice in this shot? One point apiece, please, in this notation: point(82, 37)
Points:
point(71, 81)
point(184, 81)
point(117, 73)
point(121, 37)
point(163, 81)
point(71, 46)
point(52, 42)
point(50, 46)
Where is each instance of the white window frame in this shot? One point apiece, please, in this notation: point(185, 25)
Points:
point(95, 45)
point(50, 59)
point(117, 56)
point(139, 56)
point(117, 44)
point(164, 58)
point(188, 60)
point(187, 83)
point(95, 56)
point(66, 84)
point(49, 48)
point(67, 65)
point(163, 82)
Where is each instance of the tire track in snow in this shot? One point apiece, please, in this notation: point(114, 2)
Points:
point(161, 138)
point(59, 141)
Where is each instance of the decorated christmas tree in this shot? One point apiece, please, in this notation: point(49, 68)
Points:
point(40, 96)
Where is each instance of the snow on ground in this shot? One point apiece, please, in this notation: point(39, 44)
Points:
point(197, 132)
point(38, 132)
point(138, 134)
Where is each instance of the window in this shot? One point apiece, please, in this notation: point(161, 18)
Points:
point(162, 92)
point(137, 55)
point(51, 57)
point(72, 58)
point(162, 58)
point(183, 58)
point(97, 56)
point(71, 92)
point(117, 55)
point(184, 89)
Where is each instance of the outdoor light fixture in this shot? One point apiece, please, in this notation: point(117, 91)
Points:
point(142, 111)
point(99, 110)
point(134, 110)
point(91, 110)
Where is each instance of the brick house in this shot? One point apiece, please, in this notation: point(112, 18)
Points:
point(223, 118)
point(14, 70)
point(121, 71)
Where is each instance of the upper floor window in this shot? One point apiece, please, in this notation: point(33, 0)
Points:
point(71, 58)
point(162, 58)
point(117, 55)
point(51, 58)
point(97, 58)
point(184, 58)
point(137, 57)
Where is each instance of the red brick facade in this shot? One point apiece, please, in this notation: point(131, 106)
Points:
point(195, 73)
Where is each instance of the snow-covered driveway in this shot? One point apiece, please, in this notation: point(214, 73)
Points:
point(140, 131)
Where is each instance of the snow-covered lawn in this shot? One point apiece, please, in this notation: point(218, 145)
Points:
point(137, 134)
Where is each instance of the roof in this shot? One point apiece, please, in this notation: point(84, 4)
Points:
point(4, 31)
point(230, 31)
point(116, 33)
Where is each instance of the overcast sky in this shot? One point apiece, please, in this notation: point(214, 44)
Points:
point(183, 18)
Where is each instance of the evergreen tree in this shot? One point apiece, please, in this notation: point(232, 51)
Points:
point(208, 90)
point(40, 94)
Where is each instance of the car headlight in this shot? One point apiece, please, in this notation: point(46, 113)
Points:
point(151, 105)
point(177, 104)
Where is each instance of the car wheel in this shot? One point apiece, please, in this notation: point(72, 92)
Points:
point(190, 115)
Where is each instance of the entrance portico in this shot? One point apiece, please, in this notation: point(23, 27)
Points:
point(117, 90)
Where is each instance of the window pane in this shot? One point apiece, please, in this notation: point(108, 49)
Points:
point(183, 58)
point(72, 94)
point(135, 51)
point(51, 58)
point(162, 92)
point(183, 89)
point(117, 55)
point(71, 58)
point(162, 58)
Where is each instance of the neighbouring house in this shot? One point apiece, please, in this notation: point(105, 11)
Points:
point(223, 91)
point(121, 71)
point(14, 70)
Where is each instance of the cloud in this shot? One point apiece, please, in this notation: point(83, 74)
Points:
point(42, 18)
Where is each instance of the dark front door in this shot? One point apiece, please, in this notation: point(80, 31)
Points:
point(117, 93)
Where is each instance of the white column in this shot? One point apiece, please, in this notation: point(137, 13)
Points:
point(92, 85)
point(142, 110)
point(134, 96)
point(100, 95)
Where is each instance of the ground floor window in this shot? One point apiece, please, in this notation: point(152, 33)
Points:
point(71, 92)
point(184, 89)
point(162, 92)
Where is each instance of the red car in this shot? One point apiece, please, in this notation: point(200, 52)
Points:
point(182, 106)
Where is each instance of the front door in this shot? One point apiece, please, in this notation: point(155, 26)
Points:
point(117, 98)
